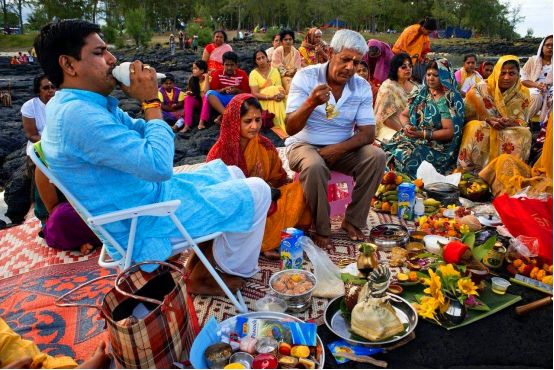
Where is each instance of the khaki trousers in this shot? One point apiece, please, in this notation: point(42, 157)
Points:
point(366, 165)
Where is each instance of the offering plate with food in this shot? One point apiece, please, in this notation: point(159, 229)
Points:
point(368, 315)
point(258, 340)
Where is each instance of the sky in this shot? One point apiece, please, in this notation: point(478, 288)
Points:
point(538, 16)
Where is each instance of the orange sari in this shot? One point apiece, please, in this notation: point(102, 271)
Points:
point(291, 206)
point(260, 159)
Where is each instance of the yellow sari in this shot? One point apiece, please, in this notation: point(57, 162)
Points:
point(481, 143)
point(271, 86)
point(291, 206)
point(508, 174)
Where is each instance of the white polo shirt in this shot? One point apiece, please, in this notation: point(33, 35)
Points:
point(355, 108)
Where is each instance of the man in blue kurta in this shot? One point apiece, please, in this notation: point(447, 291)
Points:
point(110, 161)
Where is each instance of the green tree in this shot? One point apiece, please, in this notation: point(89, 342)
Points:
point(136, 24)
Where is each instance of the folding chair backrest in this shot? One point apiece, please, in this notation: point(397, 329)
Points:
point(35, 153)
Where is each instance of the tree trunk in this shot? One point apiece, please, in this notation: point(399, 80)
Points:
point(94, 10)
point(20, 11)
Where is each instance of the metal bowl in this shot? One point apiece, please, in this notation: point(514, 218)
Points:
point(387, 236)
point(443, 192)
point(295, 302)
point(341, 327)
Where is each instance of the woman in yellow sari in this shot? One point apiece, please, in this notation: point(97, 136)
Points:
point(508, 174)
point(286, 58)
point(241, 145)
point(495, 112)
point(265, 85)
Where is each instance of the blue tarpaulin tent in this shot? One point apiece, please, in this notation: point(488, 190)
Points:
point(336, 23)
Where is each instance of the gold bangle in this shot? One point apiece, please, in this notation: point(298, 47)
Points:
point(146, 106)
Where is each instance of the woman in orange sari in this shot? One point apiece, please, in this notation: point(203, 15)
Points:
point(495, 112)
point(508, 174)
point(241, 145)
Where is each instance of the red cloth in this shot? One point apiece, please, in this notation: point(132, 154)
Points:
point(536, 216)
point(238, 79)
point(227, 146)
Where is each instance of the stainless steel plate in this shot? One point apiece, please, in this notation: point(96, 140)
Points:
point(341, 327)
point(231, 322)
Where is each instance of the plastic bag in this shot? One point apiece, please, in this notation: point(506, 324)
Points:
point(524, 246)
point(329, 283)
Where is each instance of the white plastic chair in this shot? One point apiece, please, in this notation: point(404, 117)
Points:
point(162, 209)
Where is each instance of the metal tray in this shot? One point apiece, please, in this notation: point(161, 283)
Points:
point(231, 322)
point(341, 327)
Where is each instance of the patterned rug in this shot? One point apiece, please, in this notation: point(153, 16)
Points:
point(22, 250)
point(27, 305)
point(342, 252)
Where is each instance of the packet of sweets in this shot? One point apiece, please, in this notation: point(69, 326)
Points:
point(343, 346)
point(296, 333)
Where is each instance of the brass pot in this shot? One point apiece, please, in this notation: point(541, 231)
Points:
point(367, 259)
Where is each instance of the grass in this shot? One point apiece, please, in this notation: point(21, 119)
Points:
point(16, 43)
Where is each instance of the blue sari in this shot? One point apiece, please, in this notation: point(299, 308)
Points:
point(427, 113)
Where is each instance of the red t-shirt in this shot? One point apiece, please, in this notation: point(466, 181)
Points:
point(238, 79)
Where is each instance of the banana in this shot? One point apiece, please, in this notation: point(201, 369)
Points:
point(431, 209)
point(380, 189)
point(431, 202)
point(391, 192)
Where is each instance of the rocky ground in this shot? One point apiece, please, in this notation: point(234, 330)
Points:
point(190, 147)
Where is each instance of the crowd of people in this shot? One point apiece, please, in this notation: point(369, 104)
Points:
point(23, 58)
point(348, 106)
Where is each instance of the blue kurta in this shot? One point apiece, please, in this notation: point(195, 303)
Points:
point(111, 162)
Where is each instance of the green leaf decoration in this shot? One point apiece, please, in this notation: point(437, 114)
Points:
point(469, 239)
point(481, 251)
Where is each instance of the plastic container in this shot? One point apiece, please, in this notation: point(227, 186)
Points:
point(271, 303)
point(499, 285)
point(406, 201)
point(419, 207)
point(292, 253)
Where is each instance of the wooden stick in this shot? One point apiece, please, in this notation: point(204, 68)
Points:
point(522, 310)
point(363, 359)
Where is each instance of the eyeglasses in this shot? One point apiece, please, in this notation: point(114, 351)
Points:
point(48, 87)
point(406, 66)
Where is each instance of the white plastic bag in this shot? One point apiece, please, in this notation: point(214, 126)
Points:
point(329, 283)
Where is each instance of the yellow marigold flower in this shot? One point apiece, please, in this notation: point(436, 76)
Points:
point(448, 270)
point(464, 229)
point(467, 286)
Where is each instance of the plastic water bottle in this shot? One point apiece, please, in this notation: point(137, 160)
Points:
point(419, 207)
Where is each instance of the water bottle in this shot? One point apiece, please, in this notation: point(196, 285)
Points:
point(419, 207)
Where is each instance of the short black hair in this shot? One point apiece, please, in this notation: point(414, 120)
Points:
point(430, 24)
point(168, 76)
point(222, 32)
point(249, 103)
point(285, 32)
point(201, 64)
point(277, 34)
point(256, 53)
point(65, 37)
point(467, 56)
point(511, 63)
point(231, 56)
point(36, 82)
point(395, 63)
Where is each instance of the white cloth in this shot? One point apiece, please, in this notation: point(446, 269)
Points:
point(36, 109)
point(237, 253)
point(470, 81)
point(355, 107)
point(269, 53)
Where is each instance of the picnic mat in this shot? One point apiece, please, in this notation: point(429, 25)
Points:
point(27, 306)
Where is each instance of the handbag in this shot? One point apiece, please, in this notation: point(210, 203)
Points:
point(267, 119)
point(162, 333)
point(528, 217)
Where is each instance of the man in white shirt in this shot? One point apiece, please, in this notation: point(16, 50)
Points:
point(321, 142)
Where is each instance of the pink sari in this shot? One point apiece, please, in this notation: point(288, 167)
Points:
point(216, 53)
